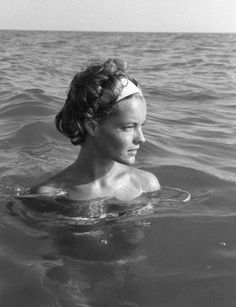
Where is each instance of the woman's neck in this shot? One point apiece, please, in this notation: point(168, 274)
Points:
point(91, 166)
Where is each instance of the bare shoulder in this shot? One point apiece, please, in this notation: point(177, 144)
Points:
point(44, 189)
point(148, 180)
point(49, 187)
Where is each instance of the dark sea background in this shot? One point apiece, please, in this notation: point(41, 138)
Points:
point(171, 254)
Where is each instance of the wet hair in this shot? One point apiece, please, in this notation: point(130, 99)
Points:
point(92, 94)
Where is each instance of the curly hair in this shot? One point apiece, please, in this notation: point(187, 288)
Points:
point(92, 93)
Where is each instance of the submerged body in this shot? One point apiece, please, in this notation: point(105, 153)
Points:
point(104, 167)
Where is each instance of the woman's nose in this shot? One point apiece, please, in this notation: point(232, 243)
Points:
point(139, 138)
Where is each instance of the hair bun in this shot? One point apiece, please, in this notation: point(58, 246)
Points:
point(115, 65)
point(92, 94)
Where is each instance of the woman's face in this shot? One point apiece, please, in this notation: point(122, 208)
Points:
point(118, 138)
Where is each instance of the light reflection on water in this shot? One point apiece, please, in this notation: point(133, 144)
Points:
point(157, 250)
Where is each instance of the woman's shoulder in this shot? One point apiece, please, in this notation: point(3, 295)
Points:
point(148, 180)
point(50, 187)
point(45, 189)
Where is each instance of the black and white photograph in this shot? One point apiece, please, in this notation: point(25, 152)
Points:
point(117, 153)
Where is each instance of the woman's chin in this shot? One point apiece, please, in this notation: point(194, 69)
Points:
point(127, 161)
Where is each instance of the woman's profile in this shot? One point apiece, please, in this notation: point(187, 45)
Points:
point(104, 113)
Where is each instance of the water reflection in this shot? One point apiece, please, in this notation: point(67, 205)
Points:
point(89, 253)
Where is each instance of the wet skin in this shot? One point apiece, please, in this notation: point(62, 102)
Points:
point(104, 167)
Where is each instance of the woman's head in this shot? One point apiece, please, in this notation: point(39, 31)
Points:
point(92, 94)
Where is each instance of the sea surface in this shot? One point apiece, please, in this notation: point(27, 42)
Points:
point(160, 250)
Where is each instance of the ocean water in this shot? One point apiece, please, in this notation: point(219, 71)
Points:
point(158, 250)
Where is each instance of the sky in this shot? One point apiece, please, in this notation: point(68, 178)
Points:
point(119, 15)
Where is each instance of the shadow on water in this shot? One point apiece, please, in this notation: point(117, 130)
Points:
point(160, 249)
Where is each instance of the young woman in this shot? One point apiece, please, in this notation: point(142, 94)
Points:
point(104, 113)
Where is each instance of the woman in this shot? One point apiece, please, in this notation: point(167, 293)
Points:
point(104, 113)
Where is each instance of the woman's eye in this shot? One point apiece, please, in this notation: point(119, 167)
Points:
point(127, 128)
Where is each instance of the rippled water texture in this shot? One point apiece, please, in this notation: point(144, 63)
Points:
point(157, 250)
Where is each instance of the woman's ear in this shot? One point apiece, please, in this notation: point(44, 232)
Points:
point(90, 126)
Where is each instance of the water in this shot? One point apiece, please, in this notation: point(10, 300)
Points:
point(157, 250)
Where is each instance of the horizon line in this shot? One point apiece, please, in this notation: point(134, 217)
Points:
point(115, 31)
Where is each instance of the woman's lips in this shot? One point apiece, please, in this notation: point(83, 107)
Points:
point(132, 152)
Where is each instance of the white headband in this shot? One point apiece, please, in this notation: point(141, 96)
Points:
point(129, 88)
